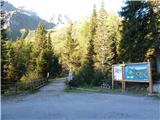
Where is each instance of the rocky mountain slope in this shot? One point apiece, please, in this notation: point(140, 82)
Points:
point(21, 21)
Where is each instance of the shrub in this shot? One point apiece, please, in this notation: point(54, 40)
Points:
point(30, 76)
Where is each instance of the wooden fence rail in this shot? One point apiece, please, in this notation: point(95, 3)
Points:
point(37, 84)
point(15, 87)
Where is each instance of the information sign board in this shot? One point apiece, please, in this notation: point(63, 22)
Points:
point(136, 72)
point(117, 72)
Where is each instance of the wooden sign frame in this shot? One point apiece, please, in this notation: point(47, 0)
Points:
point(123, 81)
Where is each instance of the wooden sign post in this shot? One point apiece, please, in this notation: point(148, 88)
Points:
point(150, 78)
point(112, 77)
point(123, 81)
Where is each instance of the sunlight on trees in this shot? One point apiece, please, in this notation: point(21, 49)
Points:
point(87, 48)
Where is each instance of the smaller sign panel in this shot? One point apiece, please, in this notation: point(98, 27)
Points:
point(117, 72)
point(136, 72)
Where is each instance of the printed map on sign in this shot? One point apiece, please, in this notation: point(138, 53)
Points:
point(117, 72)
point(136, 72)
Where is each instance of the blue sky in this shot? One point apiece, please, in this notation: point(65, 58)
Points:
point(75, 9)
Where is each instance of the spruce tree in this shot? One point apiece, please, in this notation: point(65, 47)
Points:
point(114, 22)
point(140, 33)
point(12, 66)
point(90, 55)
point(38, 52)
point(19, 56)
point(91, 52)
point(49, 42)
point(133, 33)
point(153, 29)
point(104, 44)
point(52, 65)
point(4, 47)
point(70, 54)
point(42, 65)
point(40, 38)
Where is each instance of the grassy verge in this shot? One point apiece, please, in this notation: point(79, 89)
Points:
point(91, 89)
point(73, 90)
point(129, 91)
point(156, 95)
point(20, 92)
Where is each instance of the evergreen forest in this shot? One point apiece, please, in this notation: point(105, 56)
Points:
point(88, 48)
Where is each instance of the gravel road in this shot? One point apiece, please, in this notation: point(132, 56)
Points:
point(51, 103)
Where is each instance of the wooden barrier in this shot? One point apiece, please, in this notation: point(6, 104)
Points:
point(15, 87)
point(37, 84)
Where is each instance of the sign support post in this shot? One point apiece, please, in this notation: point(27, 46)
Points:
point(123, 81)
point(150, 78)
point(112, 77)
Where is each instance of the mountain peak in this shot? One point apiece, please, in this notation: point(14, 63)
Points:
point(8, 7)
point(59, 19)
point(27, 10)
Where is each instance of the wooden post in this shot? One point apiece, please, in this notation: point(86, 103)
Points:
point(124, 87)
point(150, 78)
point(112, 76)
point(123, 81)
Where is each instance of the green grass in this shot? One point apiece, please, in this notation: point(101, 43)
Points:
point(33, 91)
point(73, 90)
point(9, 93)
point(19, 92)
point(128, 91)
point(156, 95)
point(91, 89)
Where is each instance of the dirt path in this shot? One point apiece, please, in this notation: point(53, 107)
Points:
point(51, 103)
point(57, 86)
point(54, 88)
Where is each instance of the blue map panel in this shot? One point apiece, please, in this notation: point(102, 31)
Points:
point(137, 72)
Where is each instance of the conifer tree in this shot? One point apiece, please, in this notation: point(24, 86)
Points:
point(42, 65)
point(154, 29)
point(140, 33)
point(114, 23)
point(19, 56)
point(12, 66)
point(40, 38)
point(45, 57)
point(70, 54)
point(43, 60)
point(49, 42)
point(104, 43)
point(133, 35)
point(51, 66)
point(90, 55)
point(39, 44)
point(93, 27)
point(4, 47)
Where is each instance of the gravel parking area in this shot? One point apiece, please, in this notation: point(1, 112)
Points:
point(52, 103)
